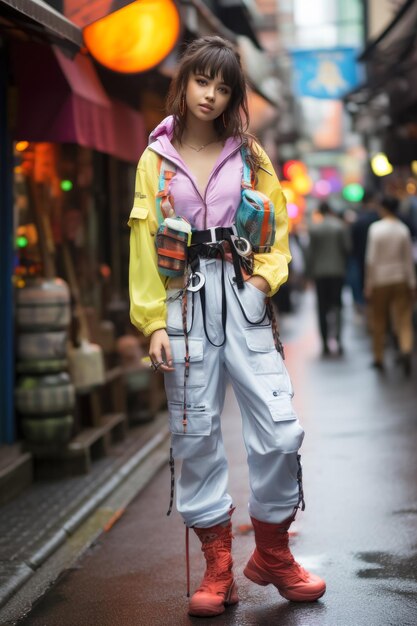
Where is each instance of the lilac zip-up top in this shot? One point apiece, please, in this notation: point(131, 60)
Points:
point(214, 206)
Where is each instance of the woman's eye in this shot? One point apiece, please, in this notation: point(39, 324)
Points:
point(201, 81)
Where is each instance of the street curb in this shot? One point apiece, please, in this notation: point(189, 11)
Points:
point(38, 558)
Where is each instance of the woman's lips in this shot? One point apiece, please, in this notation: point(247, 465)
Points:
point(206, 108)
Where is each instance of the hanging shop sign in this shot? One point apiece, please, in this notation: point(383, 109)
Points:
point(328, 73)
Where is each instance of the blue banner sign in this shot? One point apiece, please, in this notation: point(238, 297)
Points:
point(328, 73)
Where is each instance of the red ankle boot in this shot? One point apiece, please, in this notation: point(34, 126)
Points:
point(272, 562)
point(218, 588)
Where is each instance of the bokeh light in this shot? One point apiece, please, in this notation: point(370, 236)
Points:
point(293, 168)
point(380, 165)
point(353, 192)
point(293, 210)
point(302, 184)
point(322, 188)
point(66, 185)
point(136, 37)
point(21, 146)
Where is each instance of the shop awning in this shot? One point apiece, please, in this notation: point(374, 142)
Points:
point(393, 43)
point(389, 95)
point(41, 18)
point(62, 100)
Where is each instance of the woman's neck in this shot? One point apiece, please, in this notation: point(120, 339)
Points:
point(198, 133)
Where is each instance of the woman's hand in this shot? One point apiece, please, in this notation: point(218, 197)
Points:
point(160, 351)
point(260, 283)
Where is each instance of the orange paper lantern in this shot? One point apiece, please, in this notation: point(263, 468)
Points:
point(136, 37)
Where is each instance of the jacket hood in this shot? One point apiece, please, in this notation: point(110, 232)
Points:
point(166, 127)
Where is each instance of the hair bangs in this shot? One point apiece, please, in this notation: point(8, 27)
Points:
point(218, 62)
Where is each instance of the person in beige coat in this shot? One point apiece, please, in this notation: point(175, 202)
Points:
point(390, 283)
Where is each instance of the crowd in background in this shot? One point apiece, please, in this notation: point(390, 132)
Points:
point(371, 253)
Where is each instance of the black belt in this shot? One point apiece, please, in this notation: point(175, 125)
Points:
point(212, 235)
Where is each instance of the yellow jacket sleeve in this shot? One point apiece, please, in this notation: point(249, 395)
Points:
point(146, 285)
point(273, 266)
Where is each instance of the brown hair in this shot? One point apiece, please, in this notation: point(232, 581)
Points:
point(212, 56)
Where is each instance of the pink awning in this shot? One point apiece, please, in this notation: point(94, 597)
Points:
point(62, 100)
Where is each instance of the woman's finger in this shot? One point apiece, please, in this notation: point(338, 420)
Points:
point(167, 351)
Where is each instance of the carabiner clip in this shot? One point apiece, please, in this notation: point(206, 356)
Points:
point(197, 286)
point(241, 245)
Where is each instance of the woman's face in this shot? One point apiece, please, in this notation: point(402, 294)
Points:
point(207, 98)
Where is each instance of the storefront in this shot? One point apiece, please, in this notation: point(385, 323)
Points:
point(24, 20)
point(71, 152)
point(383, 109)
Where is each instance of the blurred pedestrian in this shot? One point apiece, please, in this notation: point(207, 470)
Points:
point(327, 261)
point(368, 214)
point(212, 323)
point(390, 283)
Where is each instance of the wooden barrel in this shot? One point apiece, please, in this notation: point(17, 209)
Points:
point(43, 304)
point(41, 345)
point(51, 430)
point(45, 395)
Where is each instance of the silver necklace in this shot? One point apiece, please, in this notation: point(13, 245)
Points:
point(201, 147)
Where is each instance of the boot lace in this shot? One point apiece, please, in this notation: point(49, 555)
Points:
point(285, 565)
point(218, 575)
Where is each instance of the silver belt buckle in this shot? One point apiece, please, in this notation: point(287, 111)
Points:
point(241, 245)
point(192, 285)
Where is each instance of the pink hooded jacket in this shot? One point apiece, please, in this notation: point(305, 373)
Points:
point(215, 205)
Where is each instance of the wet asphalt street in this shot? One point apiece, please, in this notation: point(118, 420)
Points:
point(359, 530)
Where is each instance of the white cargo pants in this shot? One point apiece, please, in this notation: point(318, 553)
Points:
point(271, 430)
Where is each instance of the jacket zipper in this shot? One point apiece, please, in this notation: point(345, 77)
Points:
point(179, 166)
point(237, 149)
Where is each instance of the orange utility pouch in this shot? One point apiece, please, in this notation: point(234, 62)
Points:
point(174, 233)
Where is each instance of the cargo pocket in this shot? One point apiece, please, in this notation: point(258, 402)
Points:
point(288, 432)
point(251, 301)
point(282, 409)
point(195, 378)
point(174, 312)
point(263, 357)
point(198, 420)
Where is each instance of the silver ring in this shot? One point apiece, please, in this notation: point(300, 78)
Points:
point(196, 287)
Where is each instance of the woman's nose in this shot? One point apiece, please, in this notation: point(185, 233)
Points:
point(210, 93)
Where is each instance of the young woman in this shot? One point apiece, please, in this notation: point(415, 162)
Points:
point(213, 325)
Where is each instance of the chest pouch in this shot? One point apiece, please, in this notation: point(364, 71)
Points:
point(255, 216)
point(172, 241)
point(174, 233)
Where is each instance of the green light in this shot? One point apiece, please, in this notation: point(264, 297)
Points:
point(66, 185)
point(353, 192)
point(21, 241)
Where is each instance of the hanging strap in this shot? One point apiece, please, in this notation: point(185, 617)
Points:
point(248, 179)
point(164, 200)
point(213, 250)
point(277, 340)
point(172, 472)
point(187, 558)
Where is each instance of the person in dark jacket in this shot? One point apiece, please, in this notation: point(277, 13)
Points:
point(359, 232)
point(327, 258)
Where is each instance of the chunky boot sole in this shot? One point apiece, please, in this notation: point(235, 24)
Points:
point(202, 607)
point(252, 573)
